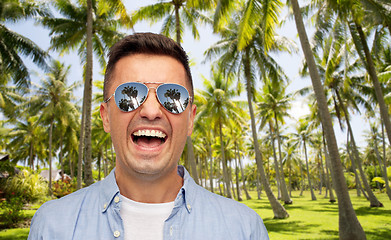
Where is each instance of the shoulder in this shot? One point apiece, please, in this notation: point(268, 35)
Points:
point(69, 202)
point(56, 212)
point(228, 206)
point(232, 216)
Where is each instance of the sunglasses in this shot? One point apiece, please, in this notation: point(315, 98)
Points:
point(131, 95)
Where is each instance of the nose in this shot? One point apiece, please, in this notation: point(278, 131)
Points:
point(151, 108)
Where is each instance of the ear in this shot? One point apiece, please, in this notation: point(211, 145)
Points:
point(193, 111)
point(104, 114)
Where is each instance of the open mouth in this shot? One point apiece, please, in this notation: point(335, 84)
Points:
point(149, 138)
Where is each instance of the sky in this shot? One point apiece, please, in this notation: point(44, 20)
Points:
point(195, 50)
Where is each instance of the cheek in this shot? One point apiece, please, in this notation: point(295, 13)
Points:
point(119, 125)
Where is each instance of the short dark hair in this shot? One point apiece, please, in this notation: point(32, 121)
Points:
point(145, 43)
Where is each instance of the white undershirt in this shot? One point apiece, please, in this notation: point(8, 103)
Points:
point(144, 221)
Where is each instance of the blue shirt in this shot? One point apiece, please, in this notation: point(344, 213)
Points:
point(94, 213)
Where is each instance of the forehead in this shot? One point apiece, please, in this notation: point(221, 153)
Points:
point(148, 68)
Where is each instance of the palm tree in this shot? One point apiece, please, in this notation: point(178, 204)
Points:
point(361, 44)
point(25, 137)
point(240, 60)
point(349, 226)
point(53, 102)
point(237, 134)
point(204, 138)
point(14, 45)
point(373, 141)
point(176, 14)
point(292, 161)
point(358, 14)
point(78, 29)
point(304, 136)
point(102, 139)
point(220, 108)
point(336, 74)
point(316, 123)
point(10, 97)
point(273, 105)
point(379, 12)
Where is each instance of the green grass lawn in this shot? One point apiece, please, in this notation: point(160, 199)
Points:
point(308, 219)
point(319, 219)
point(14, 234)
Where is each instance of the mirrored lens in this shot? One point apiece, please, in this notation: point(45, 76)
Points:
point(173, 97)
point(130, 96)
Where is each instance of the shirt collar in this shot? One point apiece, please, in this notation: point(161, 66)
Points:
point(109, 190)
point(188, 190)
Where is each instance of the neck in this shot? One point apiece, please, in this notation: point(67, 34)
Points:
point(141, 188)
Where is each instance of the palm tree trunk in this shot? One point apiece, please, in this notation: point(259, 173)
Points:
point(278, 210)
point(231, 181)
point(200, 171)
point(384, 168)
point(375, 81)
point(61, 154)
point(31, 157)
point(276, 165)
point(219, 177)
point(248, 197)
point(259, 190)
point(321, 173)
point(81, 145)
point(224, 162)
point(385, 160)
point(191, 160)
point(71, 166)
point(290, 179)
point(238, 192)
point(284, 190)
point(329, 183)
point(211, 169)
point(358, 182)
point(302, 179)
point(50, 156)
point(88, 85)
point(349, 226)
point(177, 25)
point(374, 202)
point(354, 168)
point(313, 197)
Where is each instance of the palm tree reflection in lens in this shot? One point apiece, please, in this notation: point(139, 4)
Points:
point(175, 96)
point(174, 102)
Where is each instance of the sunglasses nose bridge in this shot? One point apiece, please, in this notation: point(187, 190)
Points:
point(151, 108)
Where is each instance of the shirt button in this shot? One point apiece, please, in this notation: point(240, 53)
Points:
point(117, 234)
point(189, 207)
point(105, 206)
point(116, 199)
point(171, 230)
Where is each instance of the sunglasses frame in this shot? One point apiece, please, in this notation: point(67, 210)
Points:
point(147, 94)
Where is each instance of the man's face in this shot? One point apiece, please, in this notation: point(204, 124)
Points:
point(147, 157)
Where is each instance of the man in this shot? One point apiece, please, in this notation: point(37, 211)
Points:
point(149, 113)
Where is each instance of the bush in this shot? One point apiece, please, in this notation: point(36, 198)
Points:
point(28, 186)
point(350, 180)
point(11, 211)
point(62, 188)
point(377, 180)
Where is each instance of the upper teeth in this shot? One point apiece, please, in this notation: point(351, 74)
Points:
point(150, 133)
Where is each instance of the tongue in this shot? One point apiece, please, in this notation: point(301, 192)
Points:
point(149, 142)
